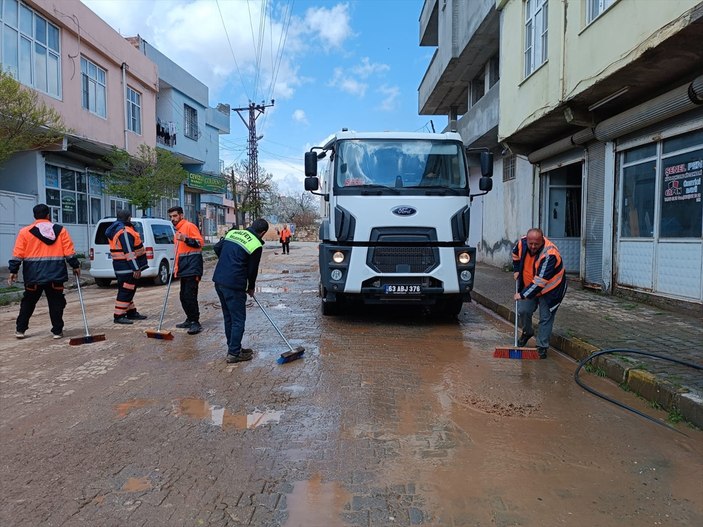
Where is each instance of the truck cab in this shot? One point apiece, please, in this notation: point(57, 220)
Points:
point(395, 219)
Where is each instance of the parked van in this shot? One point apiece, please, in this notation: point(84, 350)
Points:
point(157, 236)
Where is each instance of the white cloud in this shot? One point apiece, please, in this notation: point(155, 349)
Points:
point(331, 25)
point(391, 96)
point(300, 117)
point(366, 68)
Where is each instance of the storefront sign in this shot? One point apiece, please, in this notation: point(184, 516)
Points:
point(682, 182)
point(206, 182)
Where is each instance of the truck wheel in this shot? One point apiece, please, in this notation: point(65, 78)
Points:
point(102, 282)
point(329, 308)
point(452, 307)
point(162, 276)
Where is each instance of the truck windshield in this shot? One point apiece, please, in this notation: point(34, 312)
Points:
point(420, 163)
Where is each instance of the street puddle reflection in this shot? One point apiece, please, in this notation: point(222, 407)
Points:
point(220, 416)
point(136, 485)
point(123, 409)
point(267, 289)
point(316, 504)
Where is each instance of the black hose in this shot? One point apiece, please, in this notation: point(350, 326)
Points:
point(618, 403)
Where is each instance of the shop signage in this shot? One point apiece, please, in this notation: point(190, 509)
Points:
point(682, 182)
point(206, 182)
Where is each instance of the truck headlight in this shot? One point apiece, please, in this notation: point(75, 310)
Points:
point(336, 274)
point(464, 258)
point(338, 257)
point(465, 275)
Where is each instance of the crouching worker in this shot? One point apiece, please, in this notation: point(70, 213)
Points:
point(239, 254)
point(128, 261)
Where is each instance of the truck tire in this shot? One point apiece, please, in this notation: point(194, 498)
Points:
point(102, 282)
point(452, 307)
point(329, 308)
point(162, 276)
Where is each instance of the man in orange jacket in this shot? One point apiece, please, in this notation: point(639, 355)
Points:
point(189, 267)
point(285, 239)
point(42, 249)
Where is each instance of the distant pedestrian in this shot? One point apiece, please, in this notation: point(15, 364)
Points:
point(188, 267)
point(128, 261)
point(239, 254)
point(285, 239)
point(42, 249)
point(541, 282)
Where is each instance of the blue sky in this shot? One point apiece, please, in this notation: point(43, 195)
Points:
point(354, 64)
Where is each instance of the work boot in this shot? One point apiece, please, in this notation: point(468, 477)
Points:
point(135, 315)
point(542, 353)
point(19, 334)
point(524, 338)
point(57, 335)
point(185, 324)
point(122, 320)
point(240, 357)
point(195, 328)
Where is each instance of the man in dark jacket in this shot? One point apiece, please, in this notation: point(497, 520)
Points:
point(189, 267)
point(539, 272)
point(239, 254)
point(42, 249)
point(128, 261)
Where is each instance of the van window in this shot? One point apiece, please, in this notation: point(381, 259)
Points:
point(101, 237)
point(162, 234)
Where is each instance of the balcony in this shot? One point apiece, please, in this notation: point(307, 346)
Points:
point(479, 126)
point(166, 132)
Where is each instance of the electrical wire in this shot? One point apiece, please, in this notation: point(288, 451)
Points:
point(618, 403)
point(224, 26)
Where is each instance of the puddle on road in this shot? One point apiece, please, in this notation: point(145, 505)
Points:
point(123, 409)
point(136, 485)
point(316, 504)
point(267, 289)
point(220, 416)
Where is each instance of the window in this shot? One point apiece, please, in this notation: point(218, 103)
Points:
point(69, 193)
point(509, 167)
point(30, 47)
point(536, 13)
point(478, 87)
point(163, 234)
point(493, 70)
point(134, 111)
point(93, 79)
point(117, 204)
point(594, 8)
point(564, 202)
point(190, 116)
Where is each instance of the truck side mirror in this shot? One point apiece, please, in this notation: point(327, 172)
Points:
point(310, 167)
point(486, 165)
point(485, 184)
point(312, 183)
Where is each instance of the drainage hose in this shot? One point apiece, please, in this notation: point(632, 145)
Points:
point(632, 352)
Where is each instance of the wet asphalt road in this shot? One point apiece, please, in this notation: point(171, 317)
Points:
point(392, 418)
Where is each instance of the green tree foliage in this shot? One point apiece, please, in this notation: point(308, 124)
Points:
point(238, 180)
point(26, 122)
point(144, 179)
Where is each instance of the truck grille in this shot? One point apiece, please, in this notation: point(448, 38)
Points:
point(402, 259)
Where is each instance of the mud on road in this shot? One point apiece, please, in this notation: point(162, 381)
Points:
point(391, 418)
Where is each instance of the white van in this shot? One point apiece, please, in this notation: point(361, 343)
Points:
point(157, 236)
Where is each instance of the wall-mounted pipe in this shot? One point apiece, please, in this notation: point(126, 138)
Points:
point(579, 138)
point(124, 102)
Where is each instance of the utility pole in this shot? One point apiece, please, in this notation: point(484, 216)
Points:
point(255, 110)
point(234, 195)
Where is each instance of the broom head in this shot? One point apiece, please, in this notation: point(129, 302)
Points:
point(159, 334)
point(289, 356)
point(515, 352)
point(88, 339)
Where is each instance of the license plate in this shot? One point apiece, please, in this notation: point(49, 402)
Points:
point(398, 289)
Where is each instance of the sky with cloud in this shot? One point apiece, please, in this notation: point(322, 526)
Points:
point(355, 64)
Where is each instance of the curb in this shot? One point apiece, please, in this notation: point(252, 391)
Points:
point(659, 392)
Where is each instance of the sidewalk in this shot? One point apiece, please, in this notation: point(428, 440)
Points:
point(589, 321)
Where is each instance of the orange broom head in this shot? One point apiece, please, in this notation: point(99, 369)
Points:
point(88, 339)
point(162, 335)
point(516, 353)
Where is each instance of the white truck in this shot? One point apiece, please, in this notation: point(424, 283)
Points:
point(395, 219)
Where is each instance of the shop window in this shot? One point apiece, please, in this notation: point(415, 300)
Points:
point(681, 208)
point(564, 202)
point(68, 195)
point(637, 219)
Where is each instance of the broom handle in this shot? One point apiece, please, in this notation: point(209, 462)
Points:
point(273, 323)
point(80, 298)
point(168, 288)
point(516, 290)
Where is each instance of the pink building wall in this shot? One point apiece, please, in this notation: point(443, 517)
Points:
point(83, 33)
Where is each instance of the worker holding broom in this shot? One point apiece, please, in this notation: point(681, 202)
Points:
point(539, 272)
point(239, 255)
point(42, 249)
point(128, 261)
point(188, 267)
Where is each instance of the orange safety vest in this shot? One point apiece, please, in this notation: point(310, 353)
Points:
point(130, 256)
point(285, 235)
point(189, 260)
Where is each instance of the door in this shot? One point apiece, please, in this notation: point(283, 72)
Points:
point(561, 213)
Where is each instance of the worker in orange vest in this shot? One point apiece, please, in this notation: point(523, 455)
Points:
point(188, 267)
point(42, 249)
point(285, 239)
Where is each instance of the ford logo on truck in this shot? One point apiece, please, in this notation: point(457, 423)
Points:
point(403, 210)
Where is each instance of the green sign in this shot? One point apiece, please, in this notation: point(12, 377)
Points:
point(213, 184)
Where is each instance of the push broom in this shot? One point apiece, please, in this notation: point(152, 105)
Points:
point(158, 333)
point(288, 356)
point(88, 338)
point(516, 352)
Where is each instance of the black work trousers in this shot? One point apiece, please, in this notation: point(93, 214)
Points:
point(286, 247)
point(189, 297)
point(55, 298)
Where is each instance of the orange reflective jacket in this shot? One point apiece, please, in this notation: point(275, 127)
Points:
point(547, 272)
point(126, 249)
point(189, 260)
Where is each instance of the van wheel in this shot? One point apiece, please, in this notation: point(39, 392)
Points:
point(102, 282)
point(162, 276)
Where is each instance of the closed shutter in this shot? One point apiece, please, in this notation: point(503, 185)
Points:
point(594, 214)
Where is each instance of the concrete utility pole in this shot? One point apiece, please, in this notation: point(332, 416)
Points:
point(255, 110)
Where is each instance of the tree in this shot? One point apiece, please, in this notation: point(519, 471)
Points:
point(238, 180)
point(144, 179)
point(26, 122)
